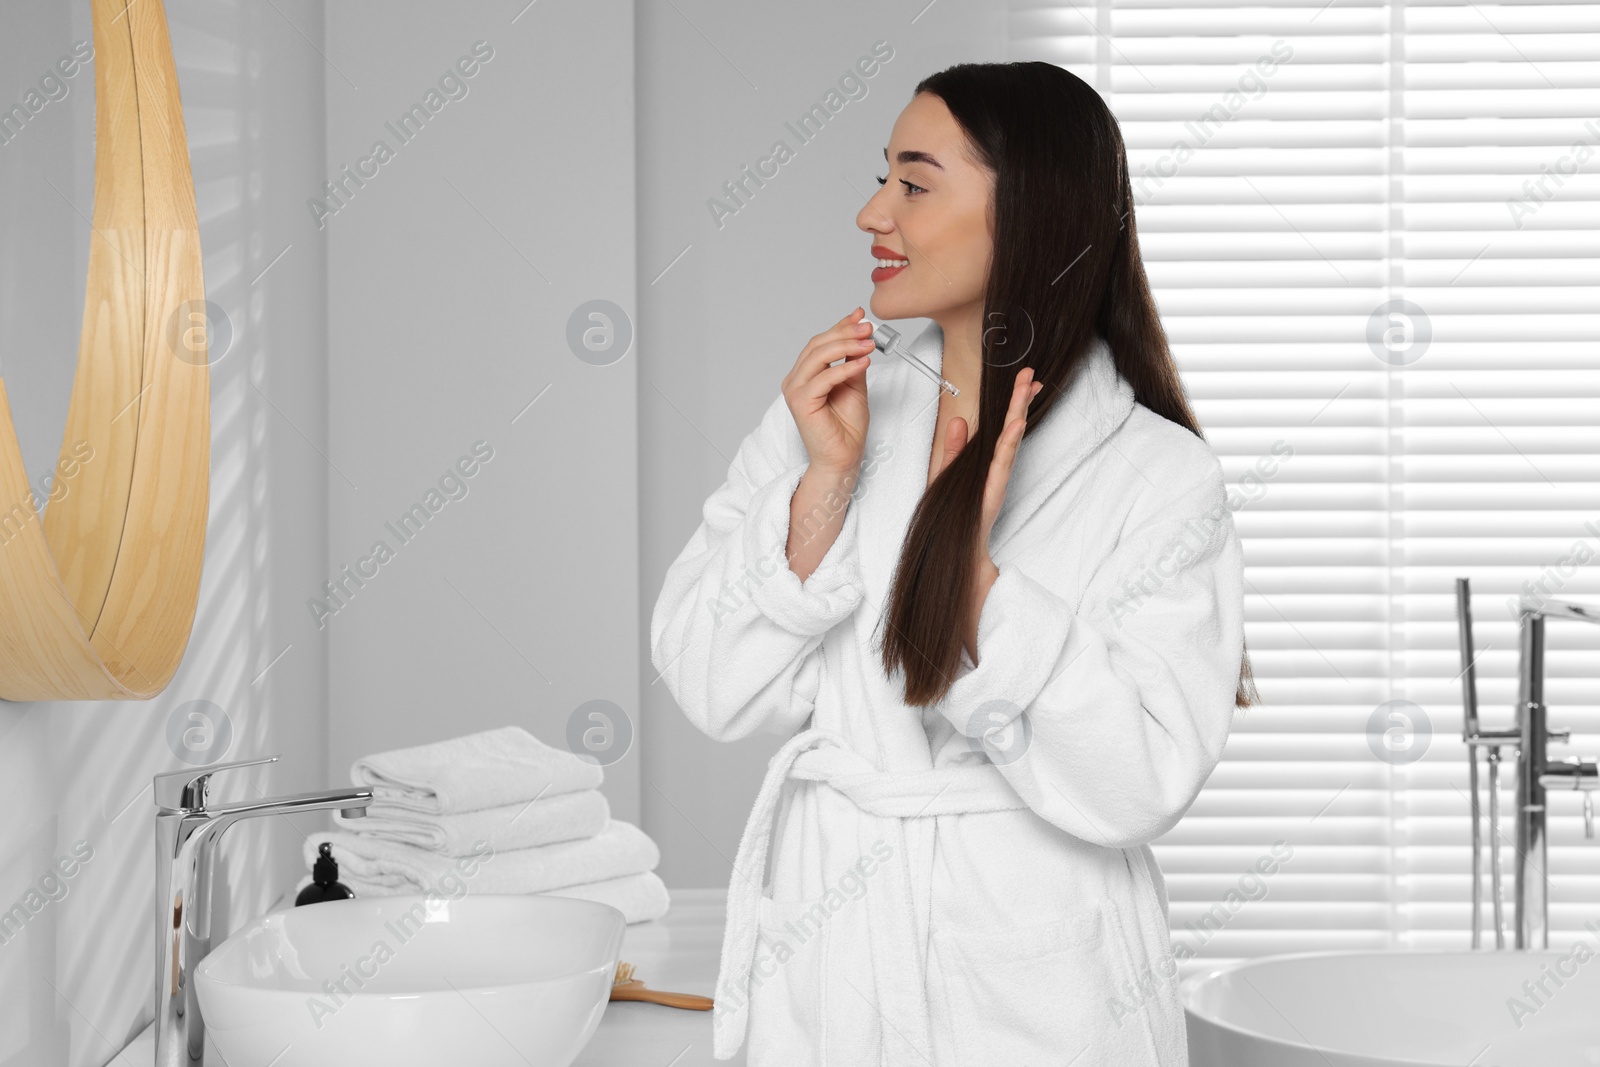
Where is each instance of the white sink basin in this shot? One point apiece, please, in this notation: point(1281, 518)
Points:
point(1398, 1009)
point(402, 981)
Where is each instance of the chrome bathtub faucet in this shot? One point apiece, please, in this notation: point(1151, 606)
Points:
point(187, 830)
point(1536, 771)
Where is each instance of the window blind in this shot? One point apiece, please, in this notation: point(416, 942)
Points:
point(1373, 231)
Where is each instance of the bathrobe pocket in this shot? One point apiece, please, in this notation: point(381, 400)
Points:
point(1039, 993)
point(787, 982)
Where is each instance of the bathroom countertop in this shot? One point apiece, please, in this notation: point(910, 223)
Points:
point(678, 952)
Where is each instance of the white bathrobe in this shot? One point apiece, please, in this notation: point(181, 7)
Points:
point(969, 883)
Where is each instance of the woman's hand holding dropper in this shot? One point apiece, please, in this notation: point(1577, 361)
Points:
point(829, 405)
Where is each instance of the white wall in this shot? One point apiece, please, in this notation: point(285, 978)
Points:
point(452, 272)
point(454, 269)
point(725, 323)
point(76, 982)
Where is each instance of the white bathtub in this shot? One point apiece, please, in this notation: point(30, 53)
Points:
point(1387, 1009)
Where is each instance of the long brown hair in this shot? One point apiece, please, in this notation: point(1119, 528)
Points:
point(1066, 266)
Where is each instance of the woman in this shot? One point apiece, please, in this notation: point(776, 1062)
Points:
point(1010, 620)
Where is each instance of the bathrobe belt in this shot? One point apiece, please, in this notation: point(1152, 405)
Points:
point(894, 983)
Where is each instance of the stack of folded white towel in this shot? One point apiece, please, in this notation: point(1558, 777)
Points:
point(495, 812)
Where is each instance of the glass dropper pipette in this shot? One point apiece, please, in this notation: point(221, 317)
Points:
point(887, 338)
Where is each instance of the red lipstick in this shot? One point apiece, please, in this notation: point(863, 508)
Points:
point(882, 274)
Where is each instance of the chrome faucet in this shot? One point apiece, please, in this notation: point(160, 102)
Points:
point(187, 830)
point(1536, 771)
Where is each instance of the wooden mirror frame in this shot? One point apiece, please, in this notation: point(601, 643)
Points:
point(97, 600)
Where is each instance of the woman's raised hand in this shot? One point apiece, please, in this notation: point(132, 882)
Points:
point(1005, 455)
point(829, 404)
point(1023, 390)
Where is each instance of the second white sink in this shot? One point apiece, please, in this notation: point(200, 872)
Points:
point(399, 981)
point(1378, 1008)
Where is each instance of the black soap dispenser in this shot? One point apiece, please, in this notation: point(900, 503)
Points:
point(325, 884)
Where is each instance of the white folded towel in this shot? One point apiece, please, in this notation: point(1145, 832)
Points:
point(621, 848)
point(482, 770)
point(565, 817)
point(640, 897)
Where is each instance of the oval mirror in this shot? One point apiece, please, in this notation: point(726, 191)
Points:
point(97, 596)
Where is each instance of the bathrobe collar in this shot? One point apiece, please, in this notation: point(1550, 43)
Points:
point(1097, 401)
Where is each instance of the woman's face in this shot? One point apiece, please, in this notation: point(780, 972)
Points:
point(933, 212)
